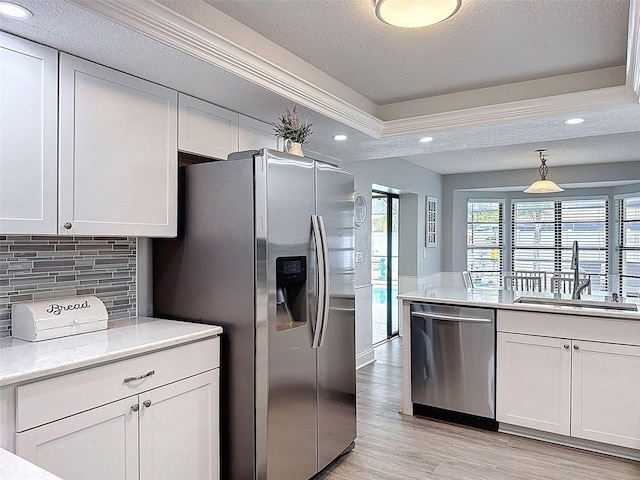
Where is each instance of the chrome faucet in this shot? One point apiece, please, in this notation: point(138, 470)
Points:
point(578, 286)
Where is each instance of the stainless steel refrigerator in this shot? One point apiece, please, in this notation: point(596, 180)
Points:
point(266, 250)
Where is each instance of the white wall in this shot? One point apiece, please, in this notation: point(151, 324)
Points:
point(413, 183)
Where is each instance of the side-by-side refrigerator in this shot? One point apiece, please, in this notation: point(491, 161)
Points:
point(266, 250)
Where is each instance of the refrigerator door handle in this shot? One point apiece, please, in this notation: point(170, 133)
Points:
point(317, 239)
point(326, 280)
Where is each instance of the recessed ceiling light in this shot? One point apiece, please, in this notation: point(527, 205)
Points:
point(340, 138)
point(425, 139)
point(14, 11)
point(574, 121)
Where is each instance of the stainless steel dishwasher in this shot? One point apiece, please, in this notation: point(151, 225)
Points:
point(453, 363)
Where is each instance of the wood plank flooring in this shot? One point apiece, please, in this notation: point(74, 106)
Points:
point(392, 446)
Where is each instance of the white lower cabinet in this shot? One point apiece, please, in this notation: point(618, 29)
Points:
point(585, 389)
point(179, 430)
point(163, 425)
point(606, 393)
point(101, 444)
point(534, 382)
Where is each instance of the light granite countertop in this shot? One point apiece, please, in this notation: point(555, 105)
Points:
point(22, 361)
point(13, 467)
point(503, 299)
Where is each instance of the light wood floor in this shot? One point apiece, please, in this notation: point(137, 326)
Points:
point(394, 446)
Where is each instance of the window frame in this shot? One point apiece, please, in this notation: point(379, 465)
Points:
point(559, 250)
point(621, 248)
point(484, 276)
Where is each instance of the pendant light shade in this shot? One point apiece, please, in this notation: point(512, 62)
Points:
point(415, 13)
point(543, 185)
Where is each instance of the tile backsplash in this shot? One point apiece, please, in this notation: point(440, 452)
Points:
point(43, 267)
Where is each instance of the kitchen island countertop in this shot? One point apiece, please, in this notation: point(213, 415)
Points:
point(503, 299)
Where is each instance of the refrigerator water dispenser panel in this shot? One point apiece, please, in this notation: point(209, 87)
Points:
point(291, 292)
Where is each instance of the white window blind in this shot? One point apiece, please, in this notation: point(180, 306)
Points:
point(543, 232)
point(628, 210)
point(485, 241)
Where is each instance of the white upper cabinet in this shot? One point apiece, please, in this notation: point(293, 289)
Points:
point(118, 153)
point(28, 137)
point(254, 135)
point(206, 129)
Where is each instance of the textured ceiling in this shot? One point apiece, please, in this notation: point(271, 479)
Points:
point(522, 43)
point(486, 43)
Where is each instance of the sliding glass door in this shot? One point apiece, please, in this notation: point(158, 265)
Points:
point(384, 265)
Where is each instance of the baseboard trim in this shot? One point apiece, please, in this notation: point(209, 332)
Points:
point(591, 446)
point(365, 358)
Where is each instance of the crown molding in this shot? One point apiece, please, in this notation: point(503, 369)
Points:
point(167, 26)
point(164, 25)
point(633, 49)
point(589, 100)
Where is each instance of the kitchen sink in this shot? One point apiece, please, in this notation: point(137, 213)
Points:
point(566, 302)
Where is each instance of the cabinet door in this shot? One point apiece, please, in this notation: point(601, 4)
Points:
point(206, 129)
point(606, 393)
point(118, 153)
point(533, 382)
point(100, 444)
point(179, 430)
point(28, 137)
point(254, 135)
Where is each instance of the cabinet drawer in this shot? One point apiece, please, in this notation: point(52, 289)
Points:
point(47, 400)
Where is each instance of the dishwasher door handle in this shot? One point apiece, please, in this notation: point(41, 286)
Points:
point(451, 318)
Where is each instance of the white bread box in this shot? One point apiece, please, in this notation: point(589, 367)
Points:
point(42, 320)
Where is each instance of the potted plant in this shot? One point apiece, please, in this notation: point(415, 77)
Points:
point(292, 131)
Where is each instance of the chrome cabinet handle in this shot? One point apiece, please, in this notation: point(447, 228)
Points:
point(135, 407)
point(147, 403)
point(67, 225)
point(576, 347)
point(566, 346)
point(139, 377)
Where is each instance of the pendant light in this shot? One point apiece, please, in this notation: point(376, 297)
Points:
point(415, 13)
point(543, 185)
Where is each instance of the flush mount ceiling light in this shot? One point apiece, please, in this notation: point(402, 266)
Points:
point(14, 11)
point(426, 139)
point(415, 13)
point(543, 185)
point(340, 138)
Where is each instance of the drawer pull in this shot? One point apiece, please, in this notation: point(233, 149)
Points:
point(133, 379)
point(147, 403)
point(135, 407)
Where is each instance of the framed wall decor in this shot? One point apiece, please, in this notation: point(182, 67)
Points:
point(431, 222)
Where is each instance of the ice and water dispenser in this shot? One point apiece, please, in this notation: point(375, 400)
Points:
point(291, 292)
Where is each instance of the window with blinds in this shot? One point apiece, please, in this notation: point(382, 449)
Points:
point(628, 211)
point(543, 232)
point(485, 242)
